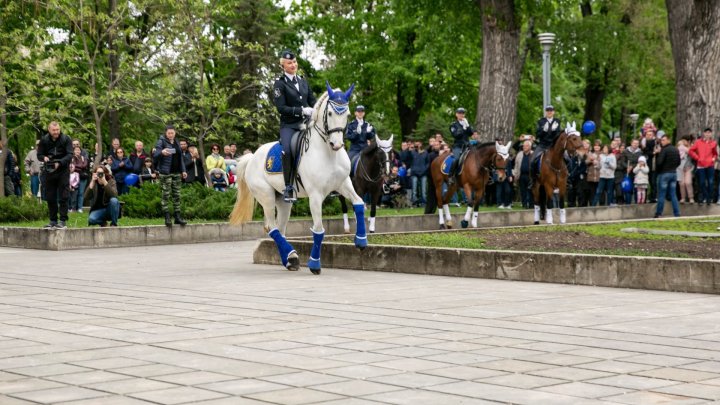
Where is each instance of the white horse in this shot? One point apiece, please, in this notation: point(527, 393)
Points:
point(323, 166)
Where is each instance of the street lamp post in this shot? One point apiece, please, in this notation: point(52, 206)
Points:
point(634, 120)
point(546, 40)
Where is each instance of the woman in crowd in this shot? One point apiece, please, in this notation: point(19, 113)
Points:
point(607, 163)
point(684, 173)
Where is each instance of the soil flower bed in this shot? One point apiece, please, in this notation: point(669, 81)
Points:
point(607, 239)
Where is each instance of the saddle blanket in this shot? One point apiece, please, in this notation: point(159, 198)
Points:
point(273, 161)
point(447, 164)
point(354, 165)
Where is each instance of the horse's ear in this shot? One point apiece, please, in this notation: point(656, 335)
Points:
point(509, 144)
point(349, 92)
point(391, 139)
point(331, 94)
point(377, 140)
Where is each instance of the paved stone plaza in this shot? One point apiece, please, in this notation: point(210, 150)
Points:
point(201, 324)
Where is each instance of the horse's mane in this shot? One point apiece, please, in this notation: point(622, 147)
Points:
point(320, 101)
point(484, 145)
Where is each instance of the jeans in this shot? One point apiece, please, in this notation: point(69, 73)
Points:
point(34, 184)
point(503, 193)
point(667, 184)
point(608, 186)
point(80, 195)
point(122, 188)
point(525, 195)
point(419, 191)
point(109, 213)
point(706, 178)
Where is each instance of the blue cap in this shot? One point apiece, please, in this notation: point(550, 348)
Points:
point(287, 54)
point(549, 107)
point(460, 110)
point(360, 108)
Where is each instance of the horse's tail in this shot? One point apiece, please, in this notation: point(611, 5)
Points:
point(244, 202)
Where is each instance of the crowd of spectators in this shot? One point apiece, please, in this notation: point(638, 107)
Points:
point(646, 169)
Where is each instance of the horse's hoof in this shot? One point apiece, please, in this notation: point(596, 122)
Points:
point(361, 243)
point(372, 231)
point(536, 223)
point(293, 264)
point(442, 226)
point(315, 271)
point(346, 230)
point(464, 224)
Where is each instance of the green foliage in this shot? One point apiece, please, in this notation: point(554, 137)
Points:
point(14, 209)
point(198, 202)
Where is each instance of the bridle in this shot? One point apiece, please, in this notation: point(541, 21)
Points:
point(325, 132)
point(380, 163)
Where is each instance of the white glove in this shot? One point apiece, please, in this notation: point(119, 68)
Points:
point(369, 128)
point(546, 127)
point(308, 111)
point(464, 123)
point(358, 129)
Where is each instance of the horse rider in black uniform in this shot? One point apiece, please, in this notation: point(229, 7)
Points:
point(461, 131)
point(294, 101)
point(358, 132)
point(548, 131)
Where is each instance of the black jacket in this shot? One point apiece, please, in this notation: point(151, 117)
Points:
point(290, 101)
point(59, 150)
point(668, 160)
point(547, 132)
point(460, 135)
point(358, 142)
point(168, 164)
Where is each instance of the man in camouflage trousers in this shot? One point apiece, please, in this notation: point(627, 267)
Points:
point(171, 166)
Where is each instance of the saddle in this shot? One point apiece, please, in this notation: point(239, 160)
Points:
point(448, 163)
point(273, 161)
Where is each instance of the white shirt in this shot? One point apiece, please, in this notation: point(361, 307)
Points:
point(291, 78)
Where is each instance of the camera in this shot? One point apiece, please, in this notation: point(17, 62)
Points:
point(101, 175)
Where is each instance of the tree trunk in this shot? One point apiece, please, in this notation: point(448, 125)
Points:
point(409, 114)
point(694, 27)
point(595, 95)
point(500, 73)
point(113, 116)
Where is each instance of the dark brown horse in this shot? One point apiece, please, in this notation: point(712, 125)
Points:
point(479, 164)
point(552, 182)
point(370, 173)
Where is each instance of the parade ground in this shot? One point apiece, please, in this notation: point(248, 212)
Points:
point(202, 324)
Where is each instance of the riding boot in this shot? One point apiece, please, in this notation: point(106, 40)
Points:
point(179, 220)
point(451, 176)
point(289, 192)
point(168, 221)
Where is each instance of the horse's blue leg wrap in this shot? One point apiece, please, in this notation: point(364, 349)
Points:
point(360, 236)
point(284, 248)
point(314, 262)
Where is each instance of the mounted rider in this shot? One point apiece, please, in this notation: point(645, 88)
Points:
point(461, 131)
point(294, 101)
point(359, 132)
point(548, 131)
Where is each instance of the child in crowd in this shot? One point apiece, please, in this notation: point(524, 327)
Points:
point(641, 171)
point(219, 182)
point(148, 173)
point(74, 185)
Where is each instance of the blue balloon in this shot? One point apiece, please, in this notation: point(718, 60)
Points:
point(402, 171)
point(132, 179)
point(588, 127)
point(627, 185)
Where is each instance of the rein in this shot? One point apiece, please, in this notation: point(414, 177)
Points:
point(366, 174)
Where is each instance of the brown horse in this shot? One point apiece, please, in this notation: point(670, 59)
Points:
point(553, 176)
point(479, 164)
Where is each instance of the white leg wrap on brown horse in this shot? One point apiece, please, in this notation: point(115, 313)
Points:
point(475, 219)
point(563, 216)
point(549, 216)
point(537, 213)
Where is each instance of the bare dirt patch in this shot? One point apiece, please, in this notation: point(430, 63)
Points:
point(576, 241)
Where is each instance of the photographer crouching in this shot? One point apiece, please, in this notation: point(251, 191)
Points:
point(55, 152)
point(102, 194)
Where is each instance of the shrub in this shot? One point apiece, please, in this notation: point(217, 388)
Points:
point(20, 209)
point(198, 202)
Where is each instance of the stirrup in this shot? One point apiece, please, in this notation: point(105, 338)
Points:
point(289, 195)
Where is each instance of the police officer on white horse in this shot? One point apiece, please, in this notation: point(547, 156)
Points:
point(548, 131)
point(461, 131)
point(358, 132)
point(294, 101)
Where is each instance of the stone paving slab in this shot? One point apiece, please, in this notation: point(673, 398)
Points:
point(201, 324)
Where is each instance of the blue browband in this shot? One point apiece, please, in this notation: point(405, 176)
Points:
point(339, 107)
